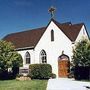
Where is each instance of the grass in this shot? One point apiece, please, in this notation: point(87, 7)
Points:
point(23, 85)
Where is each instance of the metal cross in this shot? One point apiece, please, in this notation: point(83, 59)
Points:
point(52, 11)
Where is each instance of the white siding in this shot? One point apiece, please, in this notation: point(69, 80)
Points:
point(53, 49)
point(22, 53)
point(82, 34)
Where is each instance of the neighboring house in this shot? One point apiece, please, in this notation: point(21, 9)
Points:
point(52, 44)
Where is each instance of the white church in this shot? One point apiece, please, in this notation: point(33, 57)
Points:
point(52, 45)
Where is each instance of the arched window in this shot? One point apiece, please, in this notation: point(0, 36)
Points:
point(27, 57)
point(43, 57)
point(52, 35)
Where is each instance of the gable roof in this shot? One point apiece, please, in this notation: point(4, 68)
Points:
point(26, 38)
point(30, 38)
point(69, 29)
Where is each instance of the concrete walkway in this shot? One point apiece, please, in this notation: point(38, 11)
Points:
point(67, 84)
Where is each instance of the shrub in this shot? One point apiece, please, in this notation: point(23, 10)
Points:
point(5, 75)
point(40, 71)
point(53, 75)
point(81, 73)
point(15, 71)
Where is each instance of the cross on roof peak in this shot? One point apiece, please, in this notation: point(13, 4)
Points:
point(52, 11)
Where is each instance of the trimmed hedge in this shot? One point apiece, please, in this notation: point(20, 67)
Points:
point(40, 71)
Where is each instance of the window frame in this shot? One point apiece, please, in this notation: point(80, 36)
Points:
point(52, 35)
point(27, 58)
point(43, 57)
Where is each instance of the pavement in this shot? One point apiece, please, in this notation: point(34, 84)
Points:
point(67, 84)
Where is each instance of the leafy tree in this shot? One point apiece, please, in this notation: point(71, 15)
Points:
point(8, 56)
point(81, 60)
point(81, 53)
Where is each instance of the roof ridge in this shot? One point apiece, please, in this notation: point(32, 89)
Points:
point(34, 29)
point(78, 23)
point(66, 23)
point(56, 22)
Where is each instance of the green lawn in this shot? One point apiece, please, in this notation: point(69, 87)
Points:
point(23, 85)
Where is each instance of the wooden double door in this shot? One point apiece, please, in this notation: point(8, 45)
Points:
point(63, 66)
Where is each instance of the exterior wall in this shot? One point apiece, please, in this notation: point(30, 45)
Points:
point(22, 53)
point(53, 49)
point(82, 34)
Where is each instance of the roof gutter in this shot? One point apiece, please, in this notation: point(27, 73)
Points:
point(25, 48)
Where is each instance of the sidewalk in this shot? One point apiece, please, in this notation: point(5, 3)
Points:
point(67, 84)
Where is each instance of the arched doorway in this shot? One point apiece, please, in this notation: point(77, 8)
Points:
point(63, 66)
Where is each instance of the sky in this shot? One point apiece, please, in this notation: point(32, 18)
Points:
point(21, 15)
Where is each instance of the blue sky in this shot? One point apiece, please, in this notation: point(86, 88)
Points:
point(20, 15)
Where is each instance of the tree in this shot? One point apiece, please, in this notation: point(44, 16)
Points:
point(81, 60)
point(8, 56)
point(81, 53)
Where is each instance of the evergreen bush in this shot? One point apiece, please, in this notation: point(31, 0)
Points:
point(40, 71)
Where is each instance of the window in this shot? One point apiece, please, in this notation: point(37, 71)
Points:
point(43, 57)
point(27, 57)
point(52, 35)
point(83, 32)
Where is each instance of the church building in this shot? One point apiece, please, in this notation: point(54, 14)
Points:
point(52, 45)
